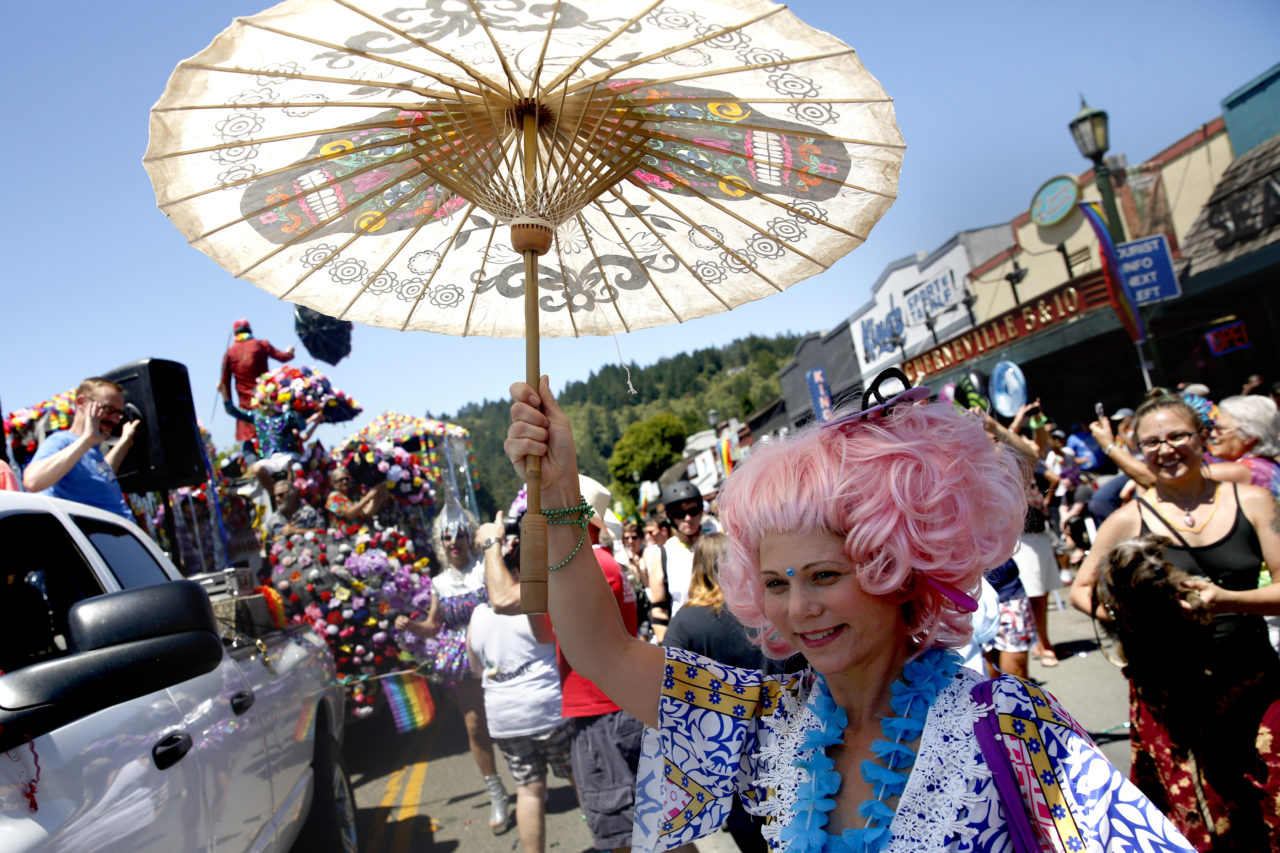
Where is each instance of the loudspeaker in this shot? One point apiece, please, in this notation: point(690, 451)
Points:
point(167, 452)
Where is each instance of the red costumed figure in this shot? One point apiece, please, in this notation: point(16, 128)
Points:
point(246, 360)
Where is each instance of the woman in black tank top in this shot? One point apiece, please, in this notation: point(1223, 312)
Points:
point(1202, 744)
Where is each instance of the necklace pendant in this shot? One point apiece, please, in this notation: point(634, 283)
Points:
point(1189, 519)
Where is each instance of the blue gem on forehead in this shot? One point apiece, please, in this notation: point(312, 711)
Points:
point(791, 573)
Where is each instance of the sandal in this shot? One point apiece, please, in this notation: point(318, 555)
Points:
point(1049, 657)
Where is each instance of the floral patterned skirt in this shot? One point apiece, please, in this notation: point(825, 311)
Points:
point(1206, 755)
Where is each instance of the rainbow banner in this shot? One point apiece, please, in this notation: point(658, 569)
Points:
point(410, 700)
point(726, 455)
point(1127, 311)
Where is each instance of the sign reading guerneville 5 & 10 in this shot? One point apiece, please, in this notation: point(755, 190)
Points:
point(1147, 269)
point(1060, 305)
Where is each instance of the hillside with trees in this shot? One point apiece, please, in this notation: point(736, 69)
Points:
point(671, 401)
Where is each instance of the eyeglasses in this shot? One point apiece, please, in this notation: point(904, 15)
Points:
point(629, 536)
point(108, 409)
point(1173, 439)
point(676, 513)
point(1221, 430)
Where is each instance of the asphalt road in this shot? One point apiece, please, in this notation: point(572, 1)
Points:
point(421, 791)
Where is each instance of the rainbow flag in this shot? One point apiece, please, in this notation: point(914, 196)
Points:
point(410, 700)
point(1130, 318)
point(726, 455)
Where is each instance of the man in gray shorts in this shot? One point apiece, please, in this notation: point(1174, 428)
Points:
point(515, 658)
point(606, 740)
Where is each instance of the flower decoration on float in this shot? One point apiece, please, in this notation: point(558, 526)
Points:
point(303, 390)
point(24, 428)
point(353, 607)
point(520, 504)
point(405, 451)
point(311, 474)
point(372, 464)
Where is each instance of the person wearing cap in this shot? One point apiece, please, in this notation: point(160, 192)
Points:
point(245, 360)
point(1197, 389)
point(670, 574)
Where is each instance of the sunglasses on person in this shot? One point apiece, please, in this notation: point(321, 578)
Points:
point(1173, 439)
point(677, 513)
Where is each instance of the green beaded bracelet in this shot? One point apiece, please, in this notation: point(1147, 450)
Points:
point(584, 512)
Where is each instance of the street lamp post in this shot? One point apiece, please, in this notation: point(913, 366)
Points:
point(930, 321)
point(969, 299)
point(1018, 274)
point(1089, 129)
point(899, 340)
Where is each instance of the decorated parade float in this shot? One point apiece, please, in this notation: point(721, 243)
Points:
point(347, 580)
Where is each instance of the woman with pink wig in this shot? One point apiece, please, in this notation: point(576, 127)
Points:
point(858, 543)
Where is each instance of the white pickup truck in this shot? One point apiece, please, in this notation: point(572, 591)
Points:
point(132, 719)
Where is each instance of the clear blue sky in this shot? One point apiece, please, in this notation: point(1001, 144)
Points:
point(94, 276)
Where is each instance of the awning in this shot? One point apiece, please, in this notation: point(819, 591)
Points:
point(1242, 216)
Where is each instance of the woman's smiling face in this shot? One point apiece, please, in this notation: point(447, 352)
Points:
point(1170, 443)
point(821, 608)
point(1226, 441)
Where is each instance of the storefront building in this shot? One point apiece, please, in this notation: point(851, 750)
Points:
point(922, 300)
point(1225, 326)
point(1034, 291)
point(1044, 304)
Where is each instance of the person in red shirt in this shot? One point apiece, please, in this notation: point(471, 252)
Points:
point(246, 360)
point(606, 739)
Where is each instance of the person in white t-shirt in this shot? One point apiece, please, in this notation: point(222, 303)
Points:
point(514, 656)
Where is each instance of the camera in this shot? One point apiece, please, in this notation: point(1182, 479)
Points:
point(511, 526)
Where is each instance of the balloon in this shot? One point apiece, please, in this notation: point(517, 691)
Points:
point(1008, 388)
point(971, 391)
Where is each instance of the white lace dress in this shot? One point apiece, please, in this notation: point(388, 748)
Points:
point(726, 731)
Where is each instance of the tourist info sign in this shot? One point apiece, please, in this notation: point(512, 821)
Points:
point(1146, 266)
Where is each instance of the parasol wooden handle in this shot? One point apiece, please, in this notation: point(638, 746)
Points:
point(533, 552)
point(533, 530)
point(532, 239)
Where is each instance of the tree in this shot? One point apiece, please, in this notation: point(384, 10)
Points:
point(647, 449)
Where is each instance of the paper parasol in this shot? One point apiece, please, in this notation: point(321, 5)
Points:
point(520, 169)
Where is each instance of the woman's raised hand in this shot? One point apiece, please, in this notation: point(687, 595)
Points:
point(540, 428)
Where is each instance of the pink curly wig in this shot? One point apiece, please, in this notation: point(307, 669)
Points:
point(920, 490)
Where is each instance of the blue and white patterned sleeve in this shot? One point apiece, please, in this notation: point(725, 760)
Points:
point(702, 752)
point(1075, 799)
